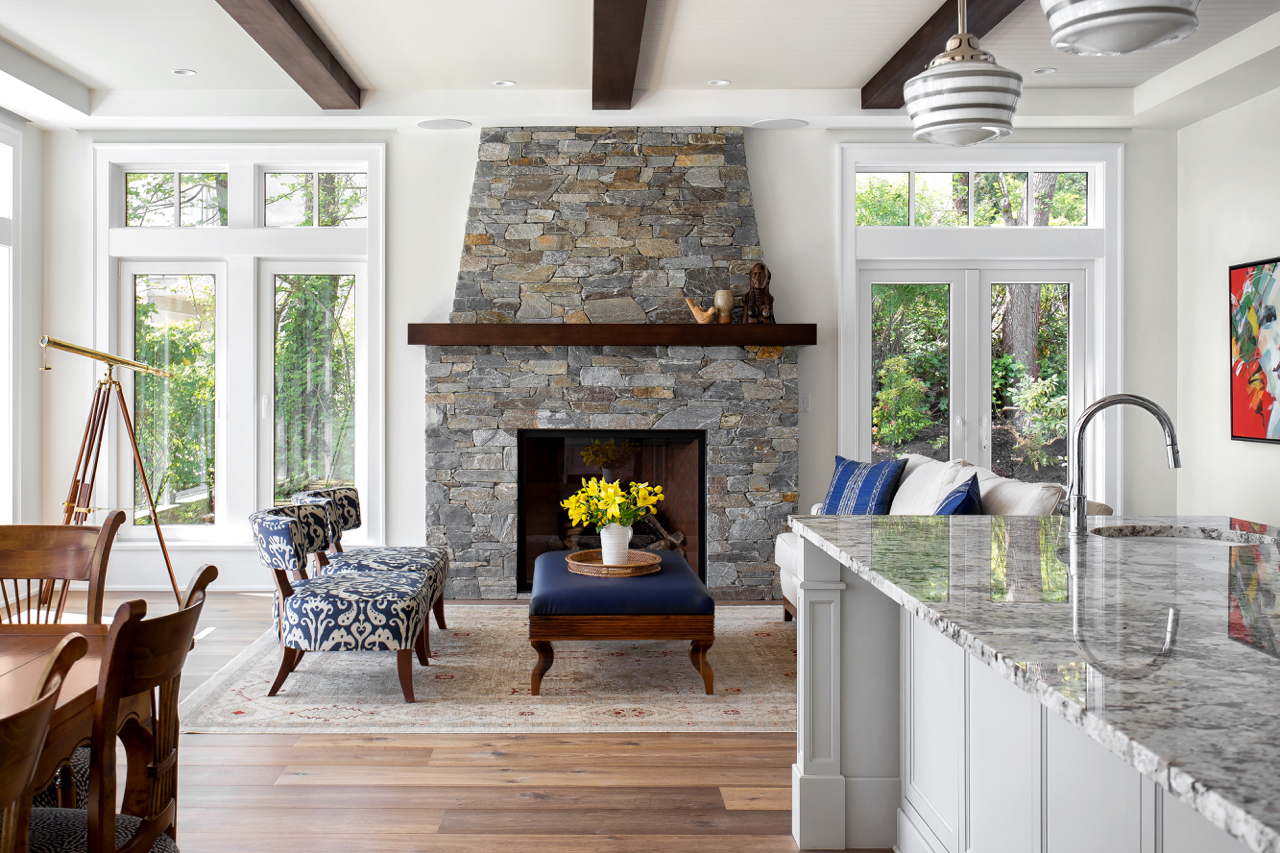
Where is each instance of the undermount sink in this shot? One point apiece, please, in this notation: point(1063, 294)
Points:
point(1182, 534)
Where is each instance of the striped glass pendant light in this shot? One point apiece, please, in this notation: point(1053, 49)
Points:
point(1115, 27)
point(963, 97)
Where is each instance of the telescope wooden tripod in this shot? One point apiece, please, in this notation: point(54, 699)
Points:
point(76, 508)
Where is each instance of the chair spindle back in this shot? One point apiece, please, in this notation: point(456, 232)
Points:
point(38, 562)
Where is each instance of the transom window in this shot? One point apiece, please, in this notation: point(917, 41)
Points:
point(972, 198)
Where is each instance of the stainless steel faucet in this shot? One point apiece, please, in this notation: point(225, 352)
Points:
point(1079, 506)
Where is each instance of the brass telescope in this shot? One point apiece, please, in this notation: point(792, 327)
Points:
point(105, 357)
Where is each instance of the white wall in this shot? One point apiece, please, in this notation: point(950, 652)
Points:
point(1228, 183)
point(429, 175)
point(793, 184)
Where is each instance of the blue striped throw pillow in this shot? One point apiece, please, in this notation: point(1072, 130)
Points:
point(964, 499)
point(862, 488)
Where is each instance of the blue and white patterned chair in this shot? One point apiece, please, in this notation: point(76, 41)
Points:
point(382, 610)
point(342, 505)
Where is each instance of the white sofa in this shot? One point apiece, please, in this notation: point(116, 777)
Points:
point(925, 482)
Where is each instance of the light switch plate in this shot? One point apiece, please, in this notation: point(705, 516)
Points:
point(804, 402)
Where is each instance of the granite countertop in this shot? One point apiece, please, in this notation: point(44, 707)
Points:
point(1203, 720)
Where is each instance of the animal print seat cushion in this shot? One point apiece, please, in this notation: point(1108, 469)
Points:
point(67, 831)
point(355, 611)
point(48, 798)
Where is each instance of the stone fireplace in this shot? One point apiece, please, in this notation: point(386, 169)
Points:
point(596, 235)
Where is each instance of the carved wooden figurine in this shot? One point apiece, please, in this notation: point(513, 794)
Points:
point(757, 305)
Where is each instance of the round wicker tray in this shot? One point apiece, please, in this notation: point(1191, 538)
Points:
point(638, 563)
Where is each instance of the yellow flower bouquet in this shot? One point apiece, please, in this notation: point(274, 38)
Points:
point(598, 504)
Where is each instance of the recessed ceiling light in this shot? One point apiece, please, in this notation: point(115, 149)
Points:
point(504, 82)
point(1046, 70)
point(717, 82)
point(444, 124)
point(780, 123)
point(183, 72)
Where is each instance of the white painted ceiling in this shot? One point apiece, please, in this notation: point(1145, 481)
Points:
point(546, 44)
point(807, 56)
point(1021, 42)
point(136, 44)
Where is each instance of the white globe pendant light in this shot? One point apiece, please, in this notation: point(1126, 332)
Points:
point(1116, 27)
point(963, 97)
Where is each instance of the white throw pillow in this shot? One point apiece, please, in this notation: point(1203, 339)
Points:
point(1003, 496)
point(925, 482)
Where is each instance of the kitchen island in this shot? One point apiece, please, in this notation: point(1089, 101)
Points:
point(995, 684)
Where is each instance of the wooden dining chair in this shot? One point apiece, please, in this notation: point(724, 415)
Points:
point(143, 656)
point(22, 737)
point(38, 562)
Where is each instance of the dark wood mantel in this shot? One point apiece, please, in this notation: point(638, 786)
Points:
point(615, 334)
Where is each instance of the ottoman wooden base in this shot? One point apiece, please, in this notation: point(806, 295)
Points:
point(699, 630)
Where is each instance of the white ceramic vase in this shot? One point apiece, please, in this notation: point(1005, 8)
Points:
point(614, 539)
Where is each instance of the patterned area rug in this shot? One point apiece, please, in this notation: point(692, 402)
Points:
point(478, 681)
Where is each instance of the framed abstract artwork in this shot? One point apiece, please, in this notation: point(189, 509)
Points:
point(1255, 351)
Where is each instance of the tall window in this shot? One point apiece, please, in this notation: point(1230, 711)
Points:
point(276, 364)
point(173, 330)
point(979, 304)
point(975, 365)
point(315, 354)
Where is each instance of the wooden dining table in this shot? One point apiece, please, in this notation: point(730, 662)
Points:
point(25, 651)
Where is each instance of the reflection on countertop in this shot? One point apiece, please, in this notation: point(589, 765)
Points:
point(1201, 719)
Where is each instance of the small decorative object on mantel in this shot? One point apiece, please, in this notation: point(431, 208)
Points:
point(1255, 351)
point(724, 304)
point(612, 510)
point(757, 305)
point(591, 563)
point(703, 316)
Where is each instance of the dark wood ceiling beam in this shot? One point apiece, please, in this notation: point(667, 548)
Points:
point(884, 90)
point(617, 28)
point(279, 28)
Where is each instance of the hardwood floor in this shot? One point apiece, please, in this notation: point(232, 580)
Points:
point(465, 793)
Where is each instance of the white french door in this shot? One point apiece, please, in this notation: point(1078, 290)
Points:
point(978, 363)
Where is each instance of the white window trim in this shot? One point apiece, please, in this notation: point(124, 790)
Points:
point(1097, 249)
point(244, 245)
point(16, 338)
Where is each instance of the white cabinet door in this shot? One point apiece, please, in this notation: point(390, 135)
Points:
point(1185, 831)
point(1004, 765)
point(933, 728)
point(1094, 799)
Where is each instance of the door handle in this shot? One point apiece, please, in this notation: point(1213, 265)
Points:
point(986, 432)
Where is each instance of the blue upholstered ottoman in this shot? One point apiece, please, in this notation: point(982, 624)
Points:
point(670, 604)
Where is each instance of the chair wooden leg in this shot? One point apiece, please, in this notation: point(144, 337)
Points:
point(438, 607)
point(546, 657)
point(404, 663)
point(422, 645)
point(288, 663)
point(698, 654)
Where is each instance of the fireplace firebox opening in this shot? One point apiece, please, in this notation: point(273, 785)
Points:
point(553, 463)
